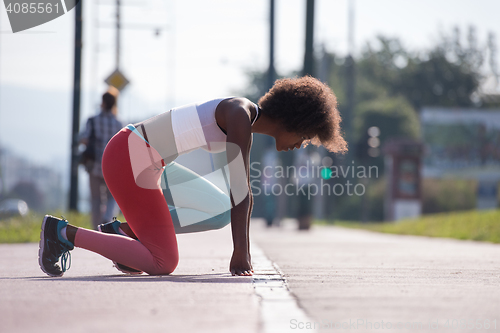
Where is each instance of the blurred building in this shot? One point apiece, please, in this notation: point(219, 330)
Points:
point(489, 91)
point(39, 186)
point(464, 144)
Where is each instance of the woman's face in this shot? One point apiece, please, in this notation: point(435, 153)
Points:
point(288, 140)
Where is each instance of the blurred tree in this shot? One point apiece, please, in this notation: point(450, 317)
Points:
point(394, 116)
point(393, 83)
point(257, 85)
point(447, 75)
point(382, 65)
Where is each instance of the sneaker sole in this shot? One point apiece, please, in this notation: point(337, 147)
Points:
point(41, 248)
point(115, 264)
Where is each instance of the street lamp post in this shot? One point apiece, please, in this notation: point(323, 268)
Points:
point(73, 191)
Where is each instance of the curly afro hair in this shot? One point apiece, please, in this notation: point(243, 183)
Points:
point(308, 107)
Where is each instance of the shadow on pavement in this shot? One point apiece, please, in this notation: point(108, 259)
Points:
point(202, 278)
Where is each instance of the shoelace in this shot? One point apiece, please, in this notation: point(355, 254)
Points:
point(64, 260)
point(65, 255)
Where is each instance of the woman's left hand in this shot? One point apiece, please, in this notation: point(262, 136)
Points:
point(241, 264)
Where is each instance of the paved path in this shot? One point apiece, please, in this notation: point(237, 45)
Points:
point(343, 276)
point(93, 296)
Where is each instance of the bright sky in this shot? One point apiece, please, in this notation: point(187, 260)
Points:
point(202, 52)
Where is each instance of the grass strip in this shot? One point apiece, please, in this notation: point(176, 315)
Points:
point(27, 229)
point(473, 225)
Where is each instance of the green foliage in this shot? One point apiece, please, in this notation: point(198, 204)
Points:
point(344, 208)
point(446, 195)
point(257, 85)
point(394, 116)
point(473, 225)
point(446, 75)
point(438, 196)
point(20, 229)
point(376, 193)
point(381, 65)
point(336, 78)
point(437, 82)
point(349, 208)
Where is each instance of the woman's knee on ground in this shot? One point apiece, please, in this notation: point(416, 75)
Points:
point(165, 265)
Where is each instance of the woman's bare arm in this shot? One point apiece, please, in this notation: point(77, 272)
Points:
point(238, 127)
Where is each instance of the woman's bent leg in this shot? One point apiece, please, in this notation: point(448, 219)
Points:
point(111, 206)
point(96, 203)
point(145, 210)
point(200, 204)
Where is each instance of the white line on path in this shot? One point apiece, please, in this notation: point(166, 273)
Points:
point(279, 311)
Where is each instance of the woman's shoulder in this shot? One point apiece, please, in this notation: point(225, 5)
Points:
point(237, 105)
point(237, 100)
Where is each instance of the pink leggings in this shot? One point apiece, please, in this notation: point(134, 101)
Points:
point(145, 210)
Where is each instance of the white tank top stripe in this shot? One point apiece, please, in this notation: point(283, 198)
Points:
point(187, 127)
point(193, 126)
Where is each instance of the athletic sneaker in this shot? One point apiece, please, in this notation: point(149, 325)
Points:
point(113, 227)
point(53, 246)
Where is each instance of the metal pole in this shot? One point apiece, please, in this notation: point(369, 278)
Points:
point(350, 30)
point(309, 53)
point(73, 191)
point(117, 34)
point(350, 82)
point(271, 74)
point(351, 78)
point(351, 101)
point(2, 182)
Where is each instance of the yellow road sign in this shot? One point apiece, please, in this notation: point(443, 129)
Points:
point(117, 80)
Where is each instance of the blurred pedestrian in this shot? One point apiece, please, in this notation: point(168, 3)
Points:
point(268, 182)
point(303, 180)
point(98, 131)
